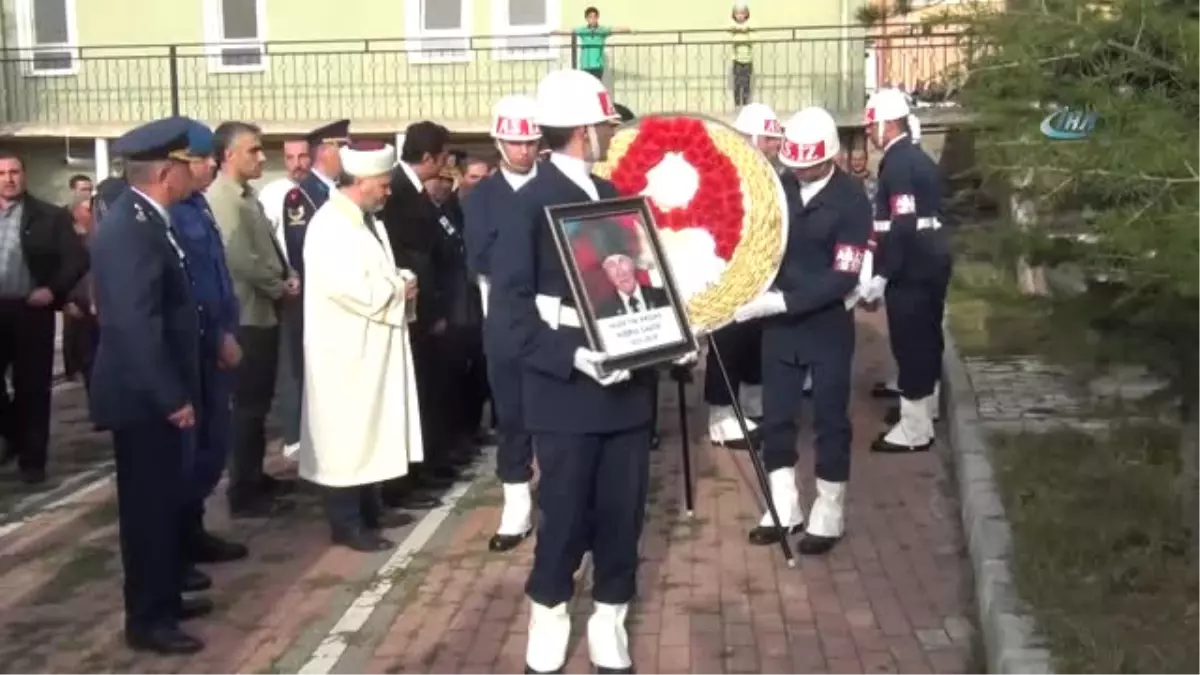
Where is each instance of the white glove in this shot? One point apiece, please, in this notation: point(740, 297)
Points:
point(586, 362)
point(767, 304)
point(687, 359)
point(873, 290)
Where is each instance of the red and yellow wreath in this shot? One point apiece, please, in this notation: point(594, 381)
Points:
point(718, 205)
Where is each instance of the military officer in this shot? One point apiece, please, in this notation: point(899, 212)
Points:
point(913, 268)
point(740, 344)
point(515, 132)
point(146, 381)
point(808, 327)
point(219, 353)
point(299, 205)
point(591, 429)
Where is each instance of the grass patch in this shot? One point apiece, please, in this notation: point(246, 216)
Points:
point(1100, 548)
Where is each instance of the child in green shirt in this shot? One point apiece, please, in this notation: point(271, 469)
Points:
point(743, 59)
point(591, 39)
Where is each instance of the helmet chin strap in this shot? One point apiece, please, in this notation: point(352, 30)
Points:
point(593, 145)
point(503, 155)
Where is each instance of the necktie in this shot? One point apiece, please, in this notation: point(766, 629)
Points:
point(634, 305)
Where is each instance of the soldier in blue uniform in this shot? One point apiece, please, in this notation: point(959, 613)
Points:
point(299, 205)
point(494, 200)
point(912, 271)
point(219, 354)
point(146, 381)
point(809, 329)
point(591, 431)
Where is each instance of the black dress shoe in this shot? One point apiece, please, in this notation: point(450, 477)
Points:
point(602, 670)
point(499, 543)
point(486, 437)
point(361, 540)
point(531, 671)
point(881, 445)
point(892, 416)
point(766, 535)
point(195, 581)
point(811, 544)
point(166, 641)
point(881, 390)
point(277, 486)
point(735, 444)
point(33, 476)
point(410, 501)
point(431, 482)
point(194, 608)
point(442, 473)
point(387, 521)
point(259, 506)
point(209, 548)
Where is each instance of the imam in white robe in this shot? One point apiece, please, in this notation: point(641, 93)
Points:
point(360, 422)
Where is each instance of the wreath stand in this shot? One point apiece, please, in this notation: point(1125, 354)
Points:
point(684, 375)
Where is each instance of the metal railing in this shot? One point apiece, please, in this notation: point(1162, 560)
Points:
point(453, 80)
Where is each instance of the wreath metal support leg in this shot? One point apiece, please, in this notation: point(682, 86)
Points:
point(682, 376)
point(760, 471)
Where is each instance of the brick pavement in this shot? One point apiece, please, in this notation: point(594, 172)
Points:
point(891, 597)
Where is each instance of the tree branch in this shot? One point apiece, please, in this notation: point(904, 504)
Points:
point(1149, 178)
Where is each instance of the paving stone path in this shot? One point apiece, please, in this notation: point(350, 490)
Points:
point(892, 597)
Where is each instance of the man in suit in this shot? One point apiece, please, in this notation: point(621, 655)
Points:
point(416, 235)
point(146, 380)
point(299, 205)
point(261, 280)
point(629, 297)
point(41, 260)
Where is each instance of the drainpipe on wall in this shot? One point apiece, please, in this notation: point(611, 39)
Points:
point(399, 143)
point(103, 167)
point(849, 78)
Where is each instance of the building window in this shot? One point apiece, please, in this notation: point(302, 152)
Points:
point(47, 37)
point(525, 26)
point(236, 35)
point(438, 31)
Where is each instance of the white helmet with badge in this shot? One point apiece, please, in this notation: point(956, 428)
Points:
point(810, 137)
point(757, 119)
point(514, 119)
point(889, 105)
point(573, 98)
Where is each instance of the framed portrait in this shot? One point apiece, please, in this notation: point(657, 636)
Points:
point(622, 287)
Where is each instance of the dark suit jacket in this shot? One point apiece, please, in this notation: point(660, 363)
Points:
point(53, 252)
point(413, 230)
point(613, 306)
point(148, 360)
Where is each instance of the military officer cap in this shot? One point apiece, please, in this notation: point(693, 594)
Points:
point(337, 133)
point(625, 113)
point(166, 138)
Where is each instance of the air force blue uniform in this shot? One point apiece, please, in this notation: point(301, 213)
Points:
point(147, 367)
point(592, 442)
point(491, 207)
point(914, 256)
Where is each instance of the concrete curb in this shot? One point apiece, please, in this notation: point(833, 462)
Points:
point(1010, 640)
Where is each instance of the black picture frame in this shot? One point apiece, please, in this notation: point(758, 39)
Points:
point(607, 328)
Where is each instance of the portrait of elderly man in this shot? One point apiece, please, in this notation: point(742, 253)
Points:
point(360, 422)
point(628, 296)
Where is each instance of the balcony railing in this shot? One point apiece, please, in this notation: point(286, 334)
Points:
point(452, 80)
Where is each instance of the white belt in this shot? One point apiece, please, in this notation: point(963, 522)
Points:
point(485, 287)
point(553, 312)
point(928, 223)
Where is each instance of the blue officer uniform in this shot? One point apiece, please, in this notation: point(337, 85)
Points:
point(828, 235)
point(147, 368)
point(592, 442)
point(300, 204)
point(490, 208)
point(914, 256)
point(213, 290)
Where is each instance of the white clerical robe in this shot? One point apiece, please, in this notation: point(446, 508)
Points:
point(360, 421)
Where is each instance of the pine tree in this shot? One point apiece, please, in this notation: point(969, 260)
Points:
point(1134, 64)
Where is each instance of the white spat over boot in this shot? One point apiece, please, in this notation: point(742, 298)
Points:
point(914, 431)
point(723, 428)
point(516, 519)
point(750, 397)
point(935, 407)
point(785, 496)
point(826, 523)
point(608, 641)
point(549, 632)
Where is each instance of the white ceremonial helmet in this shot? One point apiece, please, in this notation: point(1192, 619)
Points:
point(809, 138)
point(514, 118)
point(757, 119)
point(887, 105)
point(573, 98)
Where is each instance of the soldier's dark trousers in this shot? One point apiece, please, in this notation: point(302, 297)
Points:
point(437, 371)
point(253, 391)
point(514, 446)
point(27, 353)
point(291, 369)
point(151, 466)
point(914, 317)
point(212, 449)
point(78, 344)
point(350, 509)
point(741, 351)
point(592, 496)
point(783, 393)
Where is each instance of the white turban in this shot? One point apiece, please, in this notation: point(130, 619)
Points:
point(365, 163)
